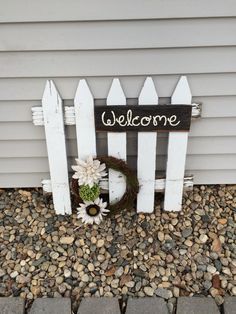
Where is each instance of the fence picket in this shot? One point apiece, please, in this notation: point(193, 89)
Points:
point(177, 149)
point(84, 117)
point(146, 164)
point(56, 147)
point(116, 144)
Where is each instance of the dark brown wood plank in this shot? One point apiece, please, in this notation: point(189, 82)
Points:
point(143, 118)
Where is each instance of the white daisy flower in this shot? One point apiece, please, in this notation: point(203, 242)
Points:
point(89, 172)
point(92, 212)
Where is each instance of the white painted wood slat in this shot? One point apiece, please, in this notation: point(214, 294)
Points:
point(177, 149)
point(85, 124)
point(146, 164)
point(56, 147)
point(116, 144)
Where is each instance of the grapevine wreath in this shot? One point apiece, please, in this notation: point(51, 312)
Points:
point(86, 190)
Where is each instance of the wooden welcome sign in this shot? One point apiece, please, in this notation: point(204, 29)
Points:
point(143, 118)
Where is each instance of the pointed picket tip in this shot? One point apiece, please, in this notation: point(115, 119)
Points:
point(48, 84)
point(83, 92)
point(116, 94)
point(148, 94)
point(47, 90)
point(182, 93)
point(50, 90)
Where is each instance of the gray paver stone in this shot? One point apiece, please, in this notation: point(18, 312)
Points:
point(51, 306)
point(230, 305)
point(12, 306)
point(196, 305)
point(151, 305)
point(99, 306)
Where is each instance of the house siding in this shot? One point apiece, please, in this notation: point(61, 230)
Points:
point(66, 41)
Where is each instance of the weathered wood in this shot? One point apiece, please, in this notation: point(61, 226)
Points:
point(56, 147)
point(37, 116)
point(177, 149)
point(84, 116)
point(104, 185)
point(143, 118)
point(116, 144)
point(146, 164)
point(147, 118)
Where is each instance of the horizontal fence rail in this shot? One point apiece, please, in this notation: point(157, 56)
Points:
point(69, 114)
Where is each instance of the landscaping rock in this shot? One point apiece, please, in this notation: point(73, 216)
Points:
point(164, 254)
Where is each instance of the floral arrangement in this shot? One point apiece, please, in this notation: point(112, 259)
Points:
point(88, 173)
point(86, 190)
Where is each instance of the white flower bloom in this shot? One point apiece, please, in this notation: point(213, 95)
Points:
point(89, 172)
point(92, 212)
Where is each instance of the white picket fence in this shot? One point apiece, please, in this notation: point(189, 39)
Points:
point(53, 118)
